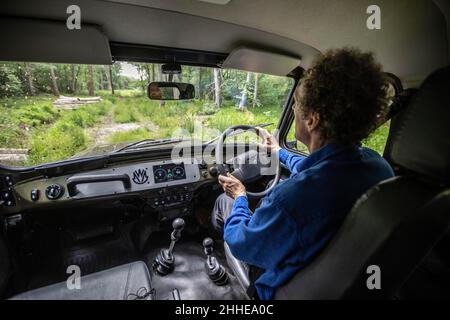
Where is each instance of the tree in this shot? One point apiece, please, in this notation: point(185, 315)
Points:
point(90, 80)
point(29, 76)
point(53, 79)
point(255, 92)
point(109, 78)
point(217, 87)
point(75, 71)
point(243, 102)
point(200, 91)
point(10, 85)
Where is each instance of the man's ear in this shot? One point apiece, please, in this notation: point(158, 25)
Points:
point(313, 121)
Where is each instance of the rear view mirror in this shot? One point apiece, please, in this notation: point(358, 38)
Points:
point(170, 91)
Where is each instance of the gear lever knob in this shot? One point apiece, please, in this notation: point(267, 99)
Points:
point(215, 271)
point(178, 226)
point(165, 260)
point(208, 245)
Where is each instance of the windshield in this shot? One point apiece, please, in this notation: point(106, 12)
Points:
point(52, 112)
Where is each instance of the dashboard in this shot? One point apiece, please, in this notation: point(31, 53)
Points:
point(164, 184)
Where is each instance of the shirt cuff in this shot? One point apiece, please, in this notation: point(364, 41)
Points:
point(241, 200)
point(283, 155)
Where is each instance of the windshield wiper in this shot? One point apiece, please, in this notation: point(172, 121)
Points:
point(149, 143)
point(235, 133)
point(146, 143)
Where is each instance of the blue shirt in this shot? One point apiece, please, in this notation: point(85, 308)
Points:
point(297, 219)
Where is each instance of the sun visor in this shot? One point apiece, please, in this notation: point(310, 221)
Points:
point(260, 61)
point(51, 41)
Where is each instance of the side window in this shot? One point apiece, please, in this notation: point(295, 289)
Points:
point(376, 141)
point(293, 143)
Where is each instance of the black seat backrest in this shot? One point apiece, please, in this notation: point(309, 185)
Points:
point(395, 224)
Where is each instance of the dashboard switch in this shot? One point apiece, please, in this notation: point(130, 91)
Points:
point(35, 195)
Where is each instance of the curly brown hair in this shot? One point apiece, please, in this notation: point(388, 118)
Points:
point(346, 87)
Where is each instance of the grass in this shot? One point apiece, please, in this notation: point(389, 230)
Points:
point(66, 136)
point(51, 134)
point(377, 140)
point(19, 117)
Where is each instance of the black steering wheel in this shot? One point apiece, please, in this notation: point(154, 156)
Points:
point(242, 170)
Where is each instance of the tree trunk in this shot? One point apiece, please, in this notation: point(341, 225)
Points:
point(54, 83)
point(189, 74)
point(29, 76)
point(101, 83)
point(255, 93)
point(217, 87)
point(147, 69)
point(200, 91)
point(110, 79)
point(160, 75)
point(141, 77)
point(243, 102)
point(75, 80)
point(72, 78)
point(153, 72)
point(90, 80)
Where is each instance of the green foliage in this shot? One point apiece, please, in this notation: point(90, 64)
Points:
point(272, 91)
point(67, 136)
point(130, 136)
point(10, 84)
point(59, 142)
point(230, 116)
point(377, 140)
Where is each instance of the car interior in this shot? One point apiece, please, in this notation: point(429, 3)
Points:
point(138, 224)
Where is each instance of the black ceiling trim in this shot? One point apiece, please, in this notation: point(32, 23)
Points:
point(155, 54)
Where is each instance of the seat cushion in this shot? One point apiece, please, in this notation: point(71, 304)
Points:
point(119, 283)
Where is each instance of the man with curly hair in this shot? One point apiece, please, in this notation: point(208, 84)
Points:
point(338, 103)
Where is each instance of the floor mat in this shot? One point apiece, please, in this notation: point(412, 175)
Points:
point(103, 255)
point(190, 277)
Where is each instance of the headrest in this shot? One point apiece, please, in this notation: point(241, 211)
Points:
point(421, 140)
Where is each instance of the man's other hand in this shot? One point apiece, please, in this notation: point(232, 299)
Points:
point(269, 143)
point(232, 186)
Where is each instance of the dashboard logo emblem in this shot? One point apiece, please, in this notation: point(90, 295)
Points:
point(140, 176)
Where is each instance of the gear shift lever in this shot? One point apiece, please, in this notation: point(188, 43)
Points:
point(165, 261)
point(215, 271)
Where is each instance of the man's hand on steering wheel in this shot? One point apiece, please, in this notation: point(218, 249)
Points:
point(269, 143)
point(232, 186)
point(244, 170)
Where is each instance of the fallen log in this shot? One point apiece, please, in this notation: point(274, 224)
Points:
point(12, 151)
point(64, 102)
point(12, 156)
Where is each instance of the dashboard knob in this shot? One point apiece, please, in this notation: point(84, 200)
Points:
point(54, 191)
point(213, 171)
